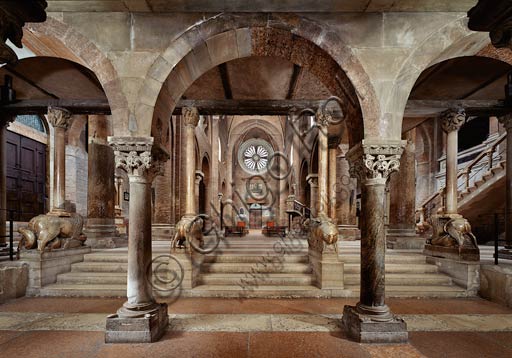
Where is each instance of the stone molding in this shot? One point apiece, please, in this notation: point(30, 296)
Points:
point(453, 119)
point(59, 117)
point(138, 156)
point(190, 116)
point(375, 159)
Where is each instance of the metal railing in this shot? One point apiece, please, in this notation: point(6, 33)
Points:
point(480, 166)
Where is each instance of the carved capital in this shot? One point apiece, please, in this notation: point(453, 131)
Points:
point(375, 159)
point(59, 117)
point(323, 118)
point(506, 121)
point(139, 157)
point(190, 116)
point(312, 180)
point(453, 119)
point(13, 15)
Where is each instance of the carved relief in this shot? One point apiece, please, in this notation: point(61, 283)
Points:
point(59, 117)
point(372, 160)
point(190, 116)
point(453, 119)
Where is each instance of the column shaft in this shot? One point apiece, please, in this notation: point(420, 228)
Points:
point(59, 174)
point(451, 172)
point(3, 184)
point(191, 118)
point(323, 171)
point(332, 184)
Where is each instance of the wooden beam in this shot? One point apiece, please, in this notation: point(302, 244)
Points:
point(224, 76)
point(293, 81)
point(40, 106)
point(432, 108)
point(414, 109)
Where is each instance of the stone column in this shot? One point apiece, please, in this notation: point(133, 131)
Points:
point(371, 320)
point(199, 177)
point(323, 166)
point(4, 122)
point(140, 319)
point(190, 118)
point(451, 123)
point(59, 119)
point(312, 180)
point(347, 215)
point(101, 194)
point(333, 153)
point(402, 204)
point(507, 252)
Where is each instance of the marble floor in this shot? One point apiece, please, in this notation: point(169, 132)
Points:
point(73, 327)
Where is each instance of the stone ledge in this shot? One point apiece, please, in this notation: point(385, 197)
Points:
point(453, 253)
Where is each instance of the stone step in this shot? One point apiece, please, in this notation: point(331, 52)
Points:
point(85, 290)
point(418, 291)
point(271, 279)
point(229, 291)
point(396, 268)
point(232, 258)
point(243, 267)
point(86, 278)
point(406, 279)
point(99, 267)
point(390, 259)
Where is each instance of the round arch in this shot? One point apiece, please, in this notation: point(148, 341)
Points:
point(225, 37)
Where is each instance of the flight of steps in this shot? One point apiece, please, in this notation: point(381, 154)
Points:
point(103, 273)
point(407, 274)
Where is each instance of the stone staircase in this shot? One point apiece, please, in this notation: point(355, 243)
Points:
point(239, 270)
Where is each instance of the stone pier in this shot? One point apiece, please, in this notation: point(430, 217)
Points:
point(506, 252)
point(4, 122)
point(100, 228)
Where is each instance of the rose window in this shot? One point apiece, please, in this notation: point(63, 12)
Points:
point(254, 156)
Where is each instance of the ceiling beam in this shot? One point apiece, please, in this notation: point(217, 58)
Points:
point(224, 76)
point(414, 108)
point(40, 106)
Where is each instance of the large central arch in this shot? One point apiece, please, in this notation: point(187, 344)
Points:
point(227, 37)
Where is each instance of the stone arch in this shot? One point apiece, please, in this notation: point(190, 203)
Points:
point(227, 37)
point(245, 127)
point(451, 41)
point(78, 48)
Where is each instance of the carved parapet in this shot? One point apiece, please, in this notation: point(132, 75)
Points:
point(13, 16)
point(453, 119)
point(138, 156)
point(375, 160)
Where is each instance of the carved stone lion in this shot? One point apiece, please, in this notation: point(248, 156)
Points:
point(453, 232)
point(187, 229)
point(322, 230)
point(52, 232)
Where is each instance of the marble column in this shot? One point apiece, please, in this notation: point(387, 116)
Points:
point(452, 121)
point(59, 119)
point(333, 157)
point(118, 203)
point(507, 251)
point(141, 318)
point(371, 320)
point(4, 122)
point(323, 166)
point(100, 228)
point(190, 118)
point(312, 180)
point(402, 203)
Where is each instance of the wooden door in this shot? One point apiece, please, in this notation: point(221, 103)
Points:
point(26, 174)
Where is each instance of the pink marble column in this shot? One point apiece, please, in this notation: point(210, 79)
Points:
point(323, 166)
point(191, 118)
point(59, 119)
point(333, 157)
point(371, 320)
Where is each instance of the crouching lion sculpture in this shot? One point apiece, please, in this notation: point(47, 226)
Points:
point(453, 232)
point(52, 232)
point(322, 230)
point(187, 230)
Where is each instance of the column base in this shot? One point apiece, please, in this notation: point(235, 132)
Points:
point(149, 328)
point(102, 233)
point(364, 328)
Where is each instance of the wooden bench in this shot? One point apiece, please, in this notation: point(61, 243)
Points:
point(239, 230)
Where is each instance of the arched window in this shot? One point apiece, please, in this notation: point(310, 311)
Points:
point(31, 120)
